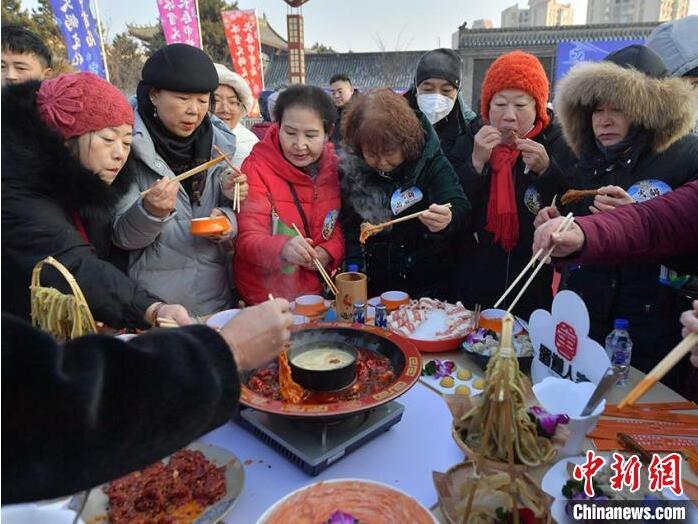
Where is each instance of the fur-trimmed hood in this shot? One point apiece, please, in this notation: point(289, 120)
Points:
point(666, 107)
point(34, 156)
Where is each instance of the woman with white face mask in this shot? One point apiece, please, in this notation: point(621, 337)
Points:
point(436, 94)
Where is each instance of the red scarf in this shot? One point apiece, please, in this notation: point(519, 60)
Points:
point(77, 222)
point(502, 214)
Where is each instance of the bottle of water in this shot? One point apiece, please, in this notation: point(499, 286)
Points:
point(619, 348)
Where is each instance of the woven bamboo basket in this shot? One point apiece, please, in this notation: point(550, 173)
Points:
point(62, 316)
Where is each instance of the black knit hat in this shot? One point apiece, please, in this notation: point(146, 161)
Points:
point(639, 57)
point(180, 67)
point(440, 63)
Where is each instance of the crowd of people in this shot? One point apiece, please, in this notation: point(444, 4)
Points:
point(88, 177)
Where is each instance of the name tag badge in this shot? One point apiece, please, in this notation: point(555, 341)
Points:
point(329, 223)
point(648, 189)
point(402, 200)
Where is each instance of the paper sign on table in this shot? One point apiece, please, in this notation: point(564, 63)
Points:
point(561, 343)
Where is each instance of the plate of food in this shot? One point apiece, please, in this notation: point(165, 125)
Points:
point(347, 501)
point(445, 376)
point(492, 501)
point(386, 366)
point(432, 325)
point(559, 484)
point(479, 345)
point(199, 484)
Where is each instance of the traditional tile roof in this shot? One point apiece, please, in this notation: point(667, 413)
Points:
point(542, 36)
point(391, 69)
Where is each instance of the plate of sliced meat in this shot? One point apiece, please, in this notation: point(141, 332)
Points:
point(432, 325)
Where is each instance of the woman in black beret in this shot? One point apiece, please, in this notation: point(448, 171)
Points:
point(173, 133)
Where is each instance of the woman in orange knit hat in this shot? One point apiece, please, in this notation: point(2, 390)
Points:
point(513, 168)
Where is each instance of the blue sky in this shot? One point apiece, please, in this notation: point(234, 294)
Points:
point(353, 24)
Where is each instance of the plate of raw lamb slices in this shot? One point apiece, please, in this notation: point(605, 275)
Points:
point(432, 325)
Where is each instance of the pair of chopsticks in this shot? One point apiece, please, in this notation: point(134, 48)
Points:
point(564, 226)
point(374, 228)
point(192, 172)
point(673, 357)
point(318, 265)
point(167, 323)
point(236, 194)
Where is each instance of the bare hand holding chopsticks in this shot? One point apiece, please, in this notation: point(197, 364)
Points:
point(435, 217)
point(198, 169)
point(315, 259)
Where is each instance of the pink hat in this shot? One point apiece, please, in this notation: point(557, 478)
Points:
point(77, 103)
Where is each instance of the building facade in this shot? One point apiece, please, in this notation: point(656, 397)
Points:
point(635, 11)
point(539, 13)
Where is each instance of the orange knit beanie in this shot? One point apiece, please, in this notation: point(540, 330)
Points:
point(516, 70)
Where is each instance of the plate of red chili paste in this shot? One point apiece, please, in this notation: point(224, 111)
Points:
point(199, 484)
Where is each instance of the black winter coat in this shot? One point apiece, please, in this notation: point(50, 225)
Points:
point(484, 269)
point(407, 256)
point(43, 184)
point(633, 290)
point(78, 415)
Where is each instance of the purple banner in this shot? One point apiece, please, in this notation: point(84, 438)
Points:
point(180, 22)
point(81, 34)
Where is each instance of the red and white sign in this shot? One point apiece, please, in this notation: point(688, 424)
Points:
point(242, 33)
point(561, 344)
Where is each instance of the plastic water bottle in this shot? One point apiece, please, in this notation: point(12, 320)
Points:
point(619, 348)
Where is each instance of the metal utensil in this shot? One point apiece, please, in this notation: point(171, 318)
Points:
point(607, 382)
point(78, 504)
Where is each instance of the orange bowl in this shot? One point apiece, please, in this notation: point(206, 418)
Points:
point(209, 226)
point(392, 300)
point(309, 305)
point(492, 319)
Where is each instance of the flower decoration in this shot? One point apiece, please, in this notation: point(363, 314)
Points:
point(439, 368)
point(546, 422)
point(339, 517)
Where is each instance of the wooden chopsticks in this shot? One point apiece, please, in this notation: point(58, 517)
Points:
point(192, 172)
point(318, 265)
point(236, 194)
point(167, 323)
point(370, 229)
point(564, 225)
point(673, 357)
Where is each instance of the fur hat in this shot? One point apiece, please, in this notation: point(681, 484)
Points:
point(631, 81)
point(233, 80)
point(78, 103)
point(517, 70)
point(180, 67)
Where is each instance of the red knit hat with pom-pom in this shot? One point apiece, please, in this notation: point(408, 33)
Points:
point(517, 70)
point(77, 103)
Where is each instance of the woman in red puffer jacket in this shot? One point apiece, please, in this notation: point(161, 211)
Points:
point(293, 180)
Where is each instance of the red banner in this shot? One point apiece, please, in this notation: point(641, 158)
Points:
point(242, 33)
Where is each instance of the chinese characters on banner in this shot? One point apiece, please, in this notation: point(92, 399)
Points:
point(242, 33)
point(81, 34)
point(180, 22)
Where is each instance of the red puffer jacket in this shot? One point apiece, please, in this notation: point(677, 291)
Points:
point(258, 267)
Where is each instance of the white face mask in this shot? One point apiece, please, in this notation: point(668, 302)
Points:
point(435, 106)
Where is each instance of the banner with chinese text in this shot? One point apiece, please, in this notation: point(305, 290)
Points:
point(242, 33)
point(180, 22)
point(81, 33)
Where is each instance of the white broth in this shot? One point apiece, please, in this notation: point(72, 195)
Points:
point(323, 359)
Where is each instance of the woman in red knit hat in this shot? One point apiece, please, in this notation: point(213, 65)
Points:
point(513, 168)
point(65, 141)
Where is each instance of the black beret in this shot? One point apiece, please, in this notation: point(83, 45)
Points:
point(639, 57)
point(440, 63)
point(180, 67)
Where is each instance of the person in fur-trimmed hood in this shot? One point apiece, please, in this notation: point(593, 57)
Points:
point(630, 125)
point(65, 141)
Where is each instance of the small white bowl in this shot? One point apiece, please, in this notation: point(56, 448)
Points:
point(34, 514)
point(221, 318)
point(562, 396)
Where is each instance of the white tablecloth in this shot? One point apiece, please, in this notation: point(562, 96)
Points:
point(404, 457)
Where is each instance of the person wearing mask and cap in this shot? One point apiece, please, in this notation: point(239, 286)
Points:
point(173, 133)
point(513, 165)
point(631, 149)
point(65, 142)
point(436, 94)
point(233, 102)
point(676, 42)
